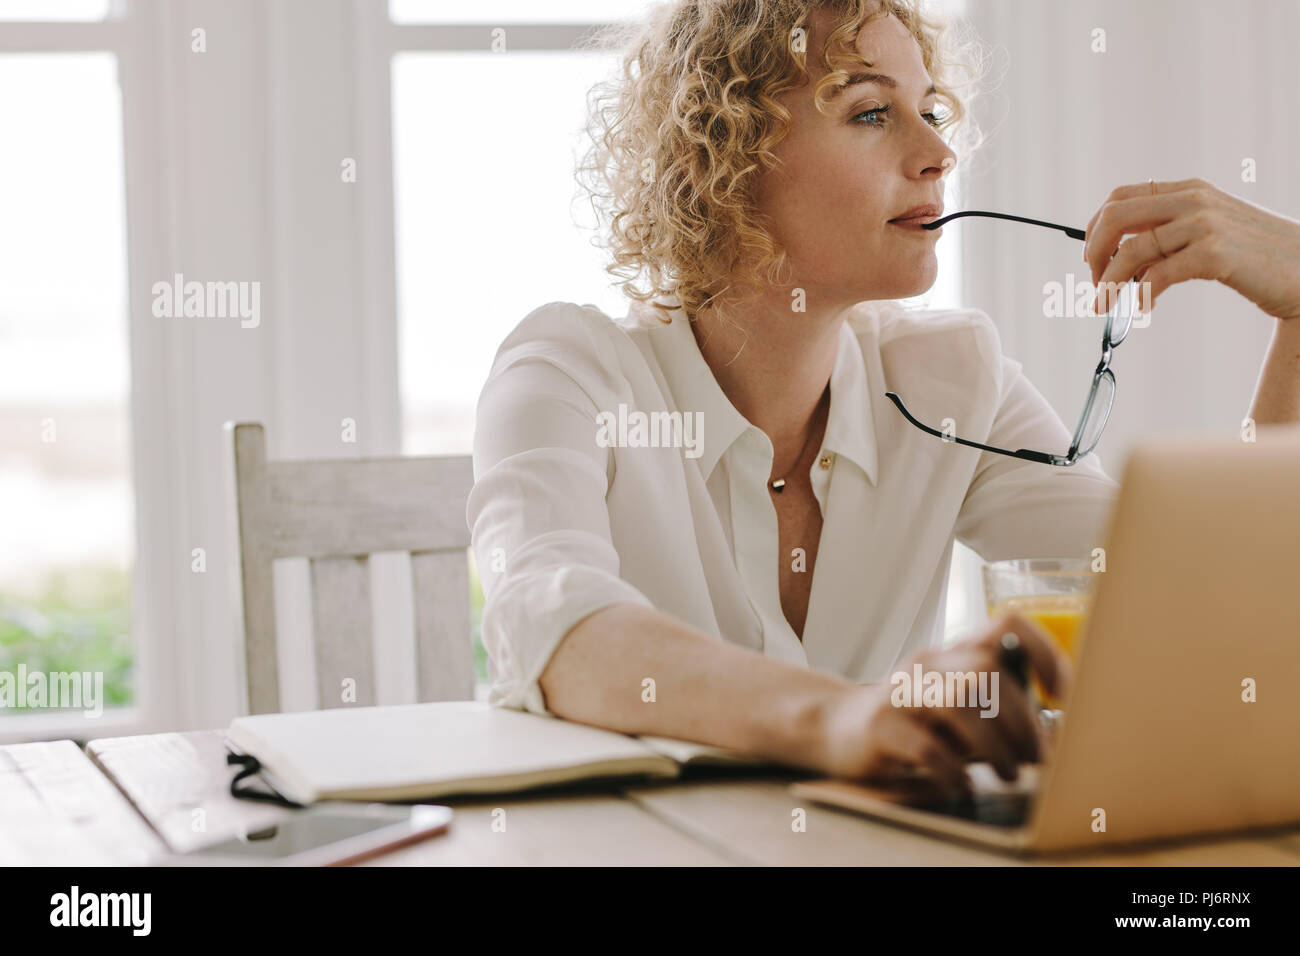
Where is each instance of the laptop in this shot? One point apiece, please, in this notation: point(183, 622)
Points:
point(1184, 714)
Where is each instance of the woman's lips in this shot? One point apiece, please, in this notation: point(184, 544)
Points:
point(915, 223)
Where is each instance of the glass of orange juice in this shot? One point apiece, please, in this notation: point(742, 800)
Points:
point(1054, 593)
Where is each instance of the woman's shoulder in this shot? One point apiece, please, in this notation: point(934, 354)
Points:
point(595, 350)
point(889, 321)
point(941, 338)
point(555, 325)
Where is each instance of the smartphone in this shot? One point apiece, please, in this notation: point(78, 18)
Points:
point(324, 834)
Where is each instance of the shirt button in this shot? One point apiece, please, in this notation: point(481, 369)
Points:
point(825, 461)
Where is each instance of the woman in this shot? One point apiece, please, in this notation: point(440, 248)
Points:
point(653, 494)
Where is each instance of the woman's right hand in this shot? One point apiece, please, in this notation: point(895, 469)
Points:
point(866, 737)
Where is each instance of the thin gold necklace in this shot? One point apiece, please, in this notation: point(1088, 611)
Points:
point(778, 484)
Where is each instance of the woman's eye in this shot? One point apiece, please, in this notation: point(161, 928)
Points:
point(875, 117)
point(871, 113)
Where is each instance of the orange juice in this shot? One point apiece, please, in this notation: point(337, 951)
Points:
point(1060, 615)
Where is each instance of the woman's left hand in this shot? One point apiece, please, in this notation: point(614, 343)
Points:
point(1191, 230)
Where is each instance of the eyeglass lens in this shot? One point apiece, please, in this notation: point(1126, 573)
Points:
point(1098, 412)
point(1120, 318)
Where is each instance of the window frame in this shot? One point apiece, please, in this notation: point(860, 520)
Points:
point(152, 608)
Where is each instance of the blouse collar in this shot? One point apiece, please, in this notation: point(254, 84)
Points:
point(850, 427)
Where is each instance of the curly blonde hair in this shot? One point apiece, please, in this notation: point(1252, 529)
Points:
point(681, 131)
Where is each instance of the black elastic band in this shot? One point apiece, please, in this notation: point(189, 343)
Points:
point(252, 766)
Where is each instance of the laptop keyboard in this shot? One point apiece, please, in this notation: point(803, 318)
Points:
point(995, 809)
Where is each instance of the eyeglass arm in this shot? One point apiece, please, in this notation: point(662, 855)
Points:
point(1070, 231)
point(1027, 454)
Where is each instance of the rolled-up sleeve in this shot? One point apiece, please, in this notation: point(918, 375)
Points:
point(1022, 509)
point(537, 515)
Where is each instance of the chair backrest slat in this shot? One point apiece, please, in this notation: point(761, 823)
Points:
point(444, 664)
point(340, 598)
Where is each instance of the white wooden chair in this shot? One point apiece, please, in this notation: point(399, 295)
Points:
point(336, 513)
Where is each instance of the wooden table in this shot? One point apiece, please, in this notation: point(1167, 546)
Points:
point(128, 798)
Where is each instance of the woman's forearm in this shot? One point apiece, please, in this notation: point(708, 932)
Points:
point(1277, 393)
point(704, 690)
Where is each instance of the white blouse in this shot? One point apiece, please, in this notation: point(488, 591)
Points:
point(583, 496)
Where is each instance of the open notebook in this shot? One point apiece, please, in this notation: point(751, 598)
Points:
point(423, 751)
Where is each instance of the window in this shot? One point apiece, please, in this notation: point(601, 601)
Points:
point(484, 148)
point(66, 501)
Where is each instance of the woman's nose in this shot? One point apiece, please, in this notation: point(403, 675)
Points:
point(933, 154)
point(940, 163)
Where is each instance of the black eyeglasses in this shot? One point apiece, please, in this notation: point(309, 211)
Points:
point(1100, 397)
